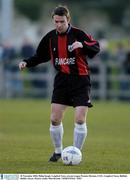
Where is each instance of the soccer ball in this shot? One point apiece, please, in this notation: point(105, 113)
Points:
point(71, 155)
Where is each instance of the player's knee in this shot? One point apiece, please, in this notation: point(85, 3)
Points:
point(56, 119)
point(81, 113)
point(80, 117)
point(79, 121)
point(55, 123)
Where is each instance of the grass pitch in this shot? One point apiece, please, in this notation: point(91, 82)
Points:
point(25, 144)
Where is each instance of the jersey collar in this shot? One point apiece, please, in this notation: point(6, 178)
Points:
point(68, 30)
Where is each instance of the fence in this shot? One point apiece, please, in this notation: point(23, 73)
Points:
point(108, 81)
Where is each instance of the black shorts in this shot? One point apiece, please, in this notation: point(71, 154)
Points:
point(71, 90)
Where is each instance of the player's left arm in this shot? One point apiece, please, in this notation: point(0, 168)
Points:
point(90, 46)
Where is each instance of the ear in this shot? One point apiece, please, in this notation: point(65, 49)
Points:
point(68, 19)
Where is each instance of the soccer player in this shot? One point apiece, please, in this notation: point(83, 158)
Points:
point(68, 48)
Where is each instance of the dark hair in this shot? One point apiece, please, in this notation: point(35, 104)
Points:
point(61, 11)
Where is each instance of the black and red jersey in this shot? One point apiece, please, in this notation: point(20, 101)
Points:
point(55, 47)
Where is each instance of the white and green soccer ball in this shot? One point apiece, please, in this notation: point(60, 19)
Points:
point(71, 155)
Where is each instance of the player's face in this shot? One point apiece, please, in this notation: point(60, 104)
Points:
point(61, 23)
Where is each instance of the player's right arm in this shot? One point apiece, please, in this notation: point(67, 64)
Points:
point(22, 65)
point(42, 55)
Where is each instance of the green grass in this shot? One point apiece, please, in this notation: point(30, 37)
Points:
point(25, 144)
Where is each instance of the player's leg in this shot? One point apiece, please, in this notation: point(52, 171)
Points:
point(56, 129)
point(80, 129)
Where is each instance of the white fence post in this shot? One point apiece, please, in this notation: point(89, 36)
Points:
point(103, 81)
point(2, 80)
point(100, 78)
